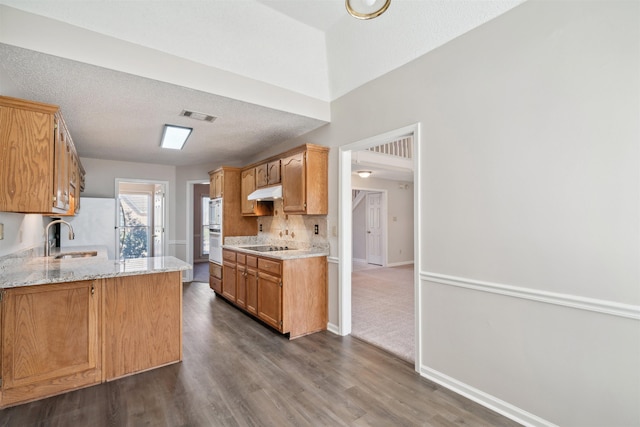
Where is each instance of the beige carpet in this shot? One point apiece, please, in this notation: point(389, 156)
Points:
point(382, 308)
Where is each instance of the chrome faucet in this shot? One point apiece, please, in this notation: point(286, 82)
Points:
point(47, 248)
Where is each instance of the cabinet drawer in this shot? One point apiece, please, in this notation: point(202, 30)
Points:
point(241, 258)
point(252, 261)
point(215, 284)
point(215, 270)
point(228, 255)
point(273, 267)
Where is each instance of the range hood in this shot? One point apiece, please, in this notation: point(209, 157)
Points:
point(269, 193)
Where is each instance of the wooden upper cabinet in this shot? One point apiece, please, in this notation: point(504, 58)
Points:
point(225, 182)
point(262, 178)
point(268, 174)
point(36, 158)
point(216, 184)
point(273, 173)
point(294, 195)
point(305, 181)
point(247, 186)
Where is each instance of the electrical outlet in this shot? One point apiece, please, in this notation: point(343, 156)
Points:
point(260, 227)
point(315, 229)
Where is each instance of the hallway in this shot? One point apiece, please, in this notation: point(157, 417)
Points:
point(383, 308)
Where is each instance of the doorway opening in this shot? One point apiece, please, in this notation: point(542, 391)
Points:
point(357, 157)
point(200, 241)
point(140, 218)
point(197, 234)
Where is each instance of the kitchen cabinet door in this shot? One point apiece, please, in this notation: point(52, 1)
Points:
point(216, 182)
point(273, 172)
point(262, 175)
point(50, 340)
point(294, 195)
point(142, 322)
point(247, 186)
point(241, 280)
point(270, 299)
point(252, 285)
point(215, 277)
point(229, 280)
point(36, 156)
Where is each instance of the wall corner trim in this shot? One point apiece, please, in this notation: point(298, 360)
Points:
point(333, 328)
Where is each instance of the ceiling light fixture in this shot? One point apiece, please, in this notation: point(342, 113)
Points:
point(364, 174)
point(366, 9)
point(198, 116)
point(174, 137)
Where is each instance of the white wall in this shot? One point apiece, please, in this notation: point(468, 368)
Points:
point(359, 231)
point(529, 277)
point(21, 232)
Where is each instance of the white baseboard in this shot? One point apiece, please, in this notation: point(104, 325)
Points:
point(484, 399)
point(398, 264)
point(333, 328)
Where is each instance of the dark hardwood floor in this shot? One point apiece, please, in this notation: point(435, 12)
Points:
point(237, 372)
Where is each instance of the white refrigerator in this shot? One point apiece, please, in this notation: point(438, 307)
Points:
point(95, 224)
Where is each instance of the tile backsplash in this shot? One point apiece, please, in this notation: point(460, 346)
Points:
point(296, 231)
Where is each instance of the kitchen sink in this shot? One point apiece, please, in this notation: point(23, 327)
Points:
point(85, 254)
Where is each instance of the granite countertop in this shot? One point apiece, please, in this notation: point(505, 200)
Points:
point(281, 255)
point(31, 268)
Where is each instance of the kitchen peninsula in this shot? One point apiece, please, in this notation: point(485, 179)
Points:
point(112, 319)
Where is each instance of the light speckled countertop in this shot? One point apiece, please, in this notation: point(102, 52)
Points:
point(282, 255)
point(30, 268)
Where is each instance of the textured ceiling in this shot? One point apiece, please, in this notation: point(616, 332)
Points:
point(308, 48)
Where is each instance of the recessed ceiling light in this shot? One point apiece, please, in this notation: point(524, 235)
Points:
point(174, 137)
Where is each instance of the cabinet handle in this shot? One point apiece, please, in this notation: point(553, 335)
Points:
point(93, 289)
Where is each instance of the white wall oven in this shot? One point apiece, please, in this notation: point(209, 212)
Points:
point(215, 230)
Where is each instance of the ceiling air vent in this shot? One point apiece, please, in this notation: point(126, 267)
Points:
point(198, 116)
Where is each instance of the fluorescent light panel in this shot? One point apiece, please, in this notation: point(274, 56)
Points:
point(174, 137)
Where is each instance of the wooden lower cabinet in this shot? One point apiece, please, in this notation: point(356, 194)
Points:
point(60, 337)
point(270, 299)
point(241, 280)
point(215, 277)
point(252, 284)
point(50, 340)
point(289, 295)
point(142, 323)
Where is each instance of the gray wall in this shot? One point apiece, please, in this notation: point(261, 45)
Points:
point(529, 279)
point(100, 182)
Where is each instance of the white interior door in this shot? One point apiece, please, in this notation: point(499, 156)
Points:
point(375, 230)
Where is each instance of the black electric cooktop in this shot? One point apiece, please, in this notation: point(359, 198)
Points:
point(267, 248)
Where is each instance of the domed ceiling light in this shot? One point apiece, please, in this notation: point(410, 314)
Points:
point(366, 9)
point(364, 174)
